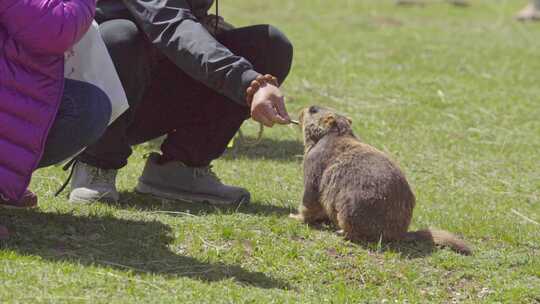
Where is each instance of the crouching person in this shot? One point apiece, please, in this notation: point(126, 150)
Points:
point(189, 76)
point(44, 118)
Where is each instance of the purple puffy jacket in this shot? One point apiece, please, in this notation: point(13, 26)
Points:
point(34, 35)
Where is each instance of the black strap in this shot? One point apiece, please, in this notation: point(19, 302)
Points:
point(217, 16)
point(70, 165)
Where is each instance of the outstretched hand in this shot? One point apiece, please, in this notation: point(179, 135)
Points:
point(268, 106)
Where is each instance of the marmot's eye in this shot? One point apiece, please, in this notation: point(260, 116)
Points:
point(313, 109)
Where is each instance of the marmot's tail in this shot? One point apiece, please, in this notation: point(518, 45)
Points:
point(441, 238)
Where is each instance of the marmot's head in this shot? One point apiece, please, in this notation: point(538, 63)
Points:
point(317, 122)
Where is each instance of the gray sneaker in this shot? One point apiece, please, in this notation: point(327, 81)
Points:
point(176, 181)
point(90, 184)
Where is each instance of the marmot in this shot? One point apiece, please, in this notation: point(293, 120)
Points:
point(357, 187)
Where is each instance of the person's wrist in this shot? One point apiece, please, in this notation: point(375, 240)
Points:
point(258, 83)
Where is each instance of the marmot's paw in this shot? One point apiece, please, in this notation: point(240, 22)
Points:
point(340, 232)
point(297, 217)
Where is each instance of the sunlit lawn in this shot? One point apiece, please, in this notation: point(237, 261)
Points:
point(453, 94)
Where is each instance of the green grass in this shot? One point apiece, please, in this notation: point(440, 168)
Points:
point(452, 94)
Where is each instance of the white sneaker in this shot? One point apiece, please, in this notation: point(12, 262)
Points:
point(530, 13)
point(90, 184)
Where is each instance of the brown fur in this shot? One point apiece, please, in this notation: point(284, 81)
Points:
point(356, 186)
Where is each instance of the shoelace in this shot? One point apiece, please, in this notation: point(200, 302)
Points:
point(98, 175)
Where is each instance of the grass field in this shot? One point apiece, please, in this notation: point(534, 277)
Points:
point(453, 94)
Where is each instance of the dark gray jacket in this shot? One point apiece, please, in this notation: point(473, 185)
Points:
point(173, 27)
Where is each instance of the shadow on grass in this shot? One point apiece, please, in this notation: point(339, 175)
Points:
point(132, 245)
point(408, 250)
point(268, 148)
point(150, 203)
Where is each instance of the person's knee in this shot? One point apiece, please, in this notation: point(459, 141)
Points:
point(120, 34)
point(96, 113)
point(103, 109)
point(127, 47)
point(102, 115)
point(281, 50)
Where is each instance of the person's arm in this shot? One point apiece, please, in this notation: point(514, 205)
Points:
point(174, 29)
point(47, 26)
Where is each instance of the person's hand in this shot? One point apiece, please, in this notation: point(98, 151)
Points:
point(268, 106)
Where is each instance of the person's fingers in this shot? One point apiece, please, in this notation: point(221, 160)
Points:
point(273, 115)
point(265, 121)
point(269, 113)
point(280, 107)
point(277, 118)
point(280, 120)
point(260, 115)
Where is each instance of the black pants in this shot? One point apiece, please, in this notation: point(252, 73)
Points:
point(163, 100)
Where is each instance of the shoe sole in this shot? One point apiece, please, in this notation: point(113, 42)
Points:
point(99, 200)
point(144, 188)
point(103, 199)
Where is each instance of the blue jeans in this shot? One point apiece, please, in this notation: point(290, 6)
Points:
point(82, 119)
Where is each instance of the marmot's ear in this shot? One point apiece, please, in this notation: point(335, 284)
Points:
point(329, 120)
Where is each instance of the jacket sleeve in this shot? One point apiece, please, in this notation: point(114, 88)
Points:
point(171, 27)
point(47, 26)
